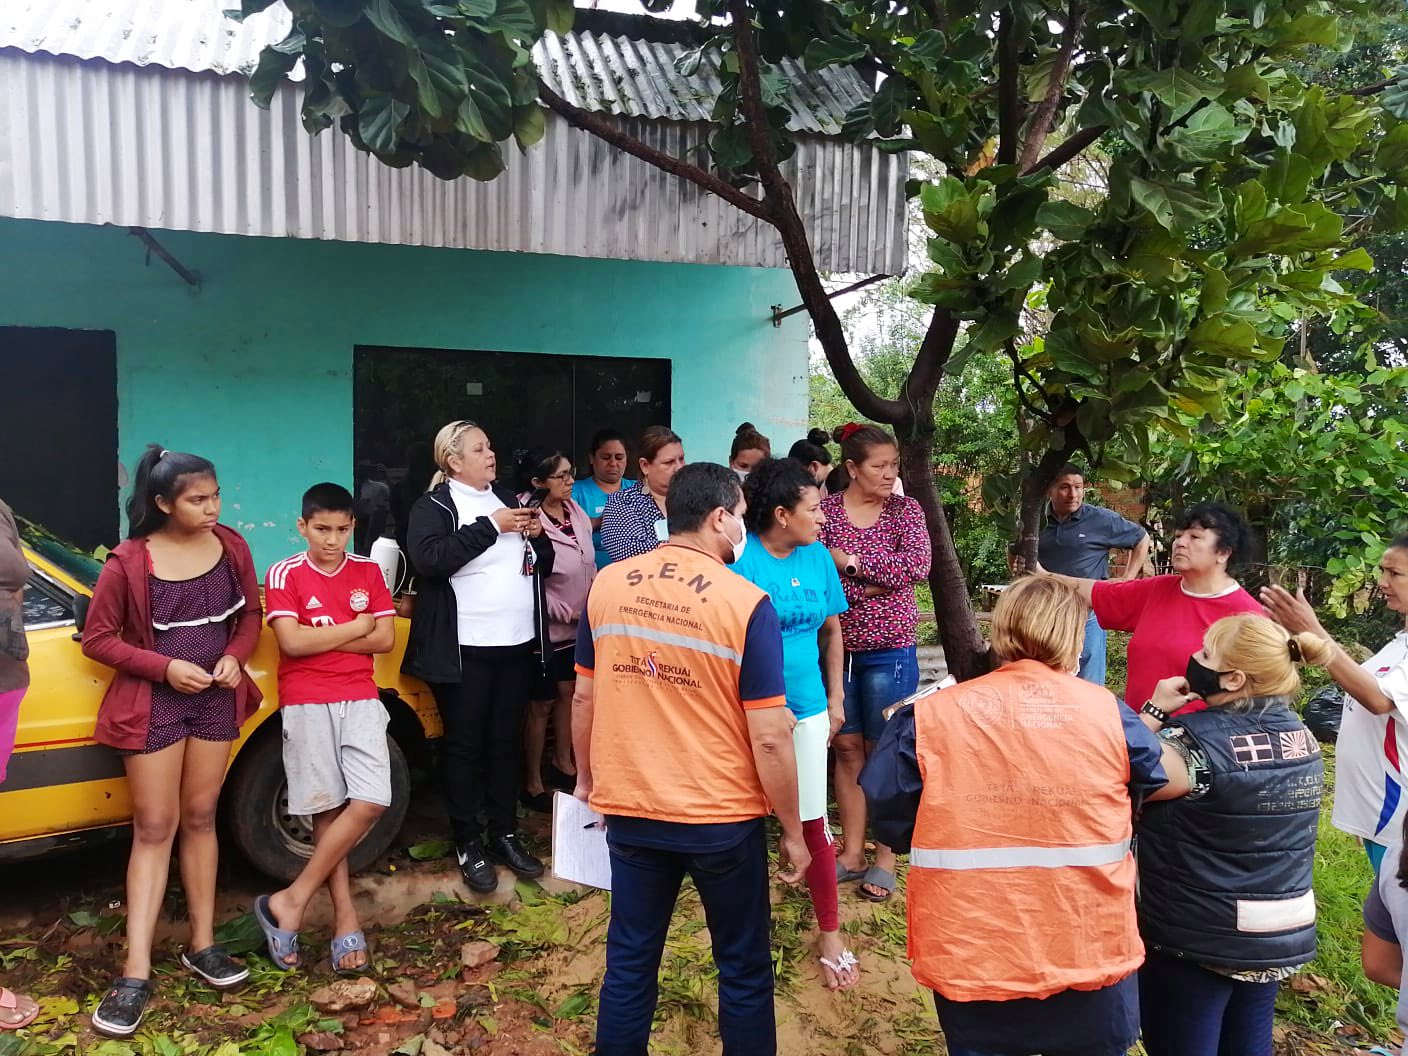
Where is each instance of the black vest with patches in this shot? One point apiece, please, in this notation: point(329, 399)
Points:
point(1225, 878)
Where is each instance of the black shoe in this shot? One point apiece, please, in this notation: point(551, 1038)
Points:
point(506, 850)
point(120, 1012)
point(475, 867)
point(538, 801)
point(216, 967)
point(555, 778)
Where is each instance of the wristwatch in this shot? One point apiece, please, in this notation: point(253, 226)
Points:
point(1150, 708)
point(852, 568)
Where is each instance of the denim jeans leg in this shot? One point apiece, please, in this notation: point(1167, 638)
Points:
point(733, 885)
point(644, 886)
point(1093, 653)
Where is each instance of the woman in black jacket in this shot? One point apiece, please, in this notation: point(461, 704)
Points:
point(478, 628)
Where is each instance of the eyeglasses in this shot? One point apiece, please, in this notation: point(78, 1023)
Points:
point(566, 474)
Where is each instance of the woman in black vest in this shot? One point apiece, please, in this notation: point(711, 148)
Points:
point(1225, 901)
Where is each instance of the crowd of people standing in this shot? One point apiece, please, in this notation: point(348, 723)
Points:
point(699, 646)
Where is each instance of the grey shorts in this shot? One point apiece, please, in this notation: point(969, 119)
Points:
point(336, 752)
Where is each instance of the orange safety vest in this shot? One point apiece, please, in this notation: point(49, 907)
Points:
point(1021, 881)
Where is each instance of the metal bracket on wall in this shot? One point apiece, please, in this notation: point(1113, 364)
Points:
point(147, 239)
point(779, 313)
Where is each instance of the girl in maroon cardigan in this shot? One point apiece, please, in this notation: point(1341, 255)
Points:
point(176, 614)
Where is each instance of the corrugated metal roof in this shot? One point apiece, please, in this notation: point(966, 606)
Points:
point(611, 73)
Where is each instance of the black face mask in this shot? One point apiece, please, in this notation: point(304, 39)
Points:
point(1203, 680)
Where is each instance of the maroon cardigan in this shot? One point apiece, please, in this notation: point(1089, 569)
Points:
point(119, 634)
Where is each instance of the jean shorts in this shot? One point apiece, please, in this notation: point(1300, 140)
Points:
point(875, 679)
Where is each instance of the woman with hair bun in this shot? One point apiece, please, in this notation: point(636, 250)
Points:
point(813, 454)
point(1226, 907)
point(176, 613)
point(749, 448)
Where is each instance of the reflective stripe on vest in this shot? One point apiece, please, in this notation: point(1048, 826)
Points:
point(682, 641)
point(1018, 857)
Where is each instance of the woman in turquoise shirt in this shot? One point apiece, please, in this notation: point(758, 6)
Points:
point(784, 558)
point(607, 462)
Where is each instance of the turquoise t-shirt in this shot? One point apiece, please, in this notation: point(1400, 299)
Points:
point(587, 494)
point(805, 589)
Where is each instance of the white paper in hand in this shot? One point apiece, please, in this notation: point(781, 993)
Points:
point(579, 853)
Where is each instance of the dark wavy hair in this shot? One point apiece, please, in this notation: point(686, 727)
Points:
point(161, 474)
point(774, 482)
point(536, 462)
point(1234, 535)
point(812, 449)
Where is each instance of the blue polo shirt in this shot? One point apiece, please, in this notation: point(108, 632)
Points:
point(1080, 545)
point(587, 494)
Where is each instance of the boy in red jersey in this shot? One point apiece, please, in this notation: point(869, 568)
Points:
point(331, 611)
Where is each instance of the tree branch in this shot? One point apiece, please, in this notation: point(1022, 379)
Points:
point(922, 382)
point(1039, 127)
point(603, 128)
point(1068, 148)
point(1009, 116)
point(781, 206)
point(1375, 89)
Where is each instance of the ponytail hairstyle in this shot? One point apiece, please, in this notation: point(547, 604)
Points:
point(161, 474)
point(447, 444)
point(536, 463)
point(747, 438)
point(1265, 652)
point(774, 482)
point(857, 440)
point(812, 449)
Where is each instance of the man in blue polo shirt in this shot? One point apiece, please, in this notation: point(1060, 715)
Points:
point(1076, 541)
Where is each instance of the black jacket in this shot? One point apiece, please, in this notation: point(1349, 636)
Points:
point(437, 547)
point(1225, 878)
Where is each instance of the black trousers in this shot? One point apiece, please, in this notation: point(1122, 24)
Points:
point(483, 745)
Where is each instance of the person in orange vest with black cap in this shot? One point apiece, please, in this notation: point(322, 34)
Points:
point(1014, 793)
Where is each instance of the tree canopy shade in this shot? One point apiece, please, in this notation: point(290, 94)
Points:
point(1222, 222)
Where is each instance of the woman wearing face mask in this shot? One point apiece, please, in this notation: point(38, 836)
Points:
point(813, 454)
point(607, 463)
point(1226, 908)
point(880, 546)
point(1372, 747)
point(1168, 615)
point(784, 557)
point(749, 448)
point(633, 520)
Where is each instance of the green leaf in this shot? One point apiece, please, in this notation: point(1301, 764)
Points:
point(491, 96)
point(240, 935)
point(410, 1047)
point(1357, 259)
point(1245, 82)
point(561, 15)
point(389, 23)
point(379, 123)
point(273, 67)
point(835, 51)
point(949, 210)
point(485, 163)
point(858, 123)
point(530, 124)
point(1173, 205)
point(1177, 89)
point(431, 850)
point(887, 105)
point(1322, 29)
point(514, 18)
point(340, 13)
point(1225, 335)
point(1065, 220)
point(573, 1006)
point(1392, 154)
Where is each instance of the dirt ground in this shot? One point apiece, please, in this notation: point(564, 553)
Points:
point(516, 972)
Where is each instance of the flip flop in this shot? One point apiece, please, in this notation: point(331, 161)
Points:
point(877, 877)
point(342, 945)
point(281, 943)
point(10, 1002)
point(845, 876)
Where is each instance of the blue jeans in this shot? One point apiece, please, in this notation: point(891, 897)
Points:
point(733, 885)
point(875, 679)
point(953, 1050)
point(1092, 655)
point(1190, 1011)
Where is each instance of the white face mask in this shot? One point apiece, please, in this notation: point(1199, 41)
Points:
point(741, 474)
point(742, 543)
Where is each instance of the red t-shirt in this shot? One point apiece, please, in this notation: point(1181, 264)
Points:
point(1168, 625)
point(298, 589)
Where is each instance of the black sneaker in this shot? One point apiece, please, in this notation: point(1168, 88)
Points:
point(475, 867)
point(119, 1013)
point(506, 850)
point(216, 967)
point(555, 778)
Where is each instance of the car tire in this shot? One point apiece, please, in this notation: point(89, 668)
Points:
point(255, 807)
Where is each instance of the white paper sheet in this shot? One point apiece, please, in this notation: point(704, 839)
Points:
point(579, 853)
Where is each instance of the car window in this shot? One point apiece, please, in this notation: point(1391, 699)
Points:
point(45, 605)
point(82, 567)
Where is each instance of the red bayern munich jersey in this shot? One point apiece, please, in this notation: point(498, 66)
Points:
point(298, 589)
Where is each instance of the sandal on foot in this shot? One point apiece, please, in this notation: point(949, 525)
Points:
point(844, 963)
point(845, 876)
point(282, 944)
point(877, 877)
point(10, 1006)
point(119, 1014)
point(342, 945)
point(216, 967)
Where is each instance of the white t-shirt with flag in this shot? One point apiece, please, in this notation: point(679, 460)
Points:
point(1371, 753)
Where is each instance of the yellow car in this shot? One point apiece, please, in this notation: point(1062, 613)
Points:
point(64, 789)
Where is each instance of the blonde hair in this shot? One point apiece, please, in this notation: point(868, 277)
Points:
point(447, 444)
point(1040, 618)
point(1265, 652)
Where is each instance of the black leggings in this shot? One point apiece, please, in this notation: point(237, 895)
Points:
point(483, 744)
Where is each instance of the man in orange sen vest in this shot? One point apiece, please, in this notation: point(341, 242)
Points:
point(1016, 791)
point(683, 742)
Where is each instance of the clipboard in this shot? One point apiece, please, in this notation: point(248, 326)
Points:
point(579, 852)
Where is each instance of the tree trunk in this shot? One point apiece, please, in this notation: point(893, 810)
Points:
point(1034, 489)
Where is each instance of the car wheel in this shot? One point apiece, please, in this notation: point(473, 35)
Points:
point(277, 843)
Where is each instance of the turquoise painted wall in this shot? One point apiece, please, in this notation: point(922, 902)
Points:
point(254, 370)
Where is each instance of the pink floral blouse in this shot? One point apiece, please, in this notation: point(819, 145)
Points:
point(893, 555)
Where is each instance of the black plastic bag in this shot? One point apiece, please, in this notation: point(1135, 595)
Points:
point(1322, 713)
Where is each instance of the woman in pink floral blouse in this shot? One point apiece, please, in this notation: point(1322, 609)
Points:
point(881, 547)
